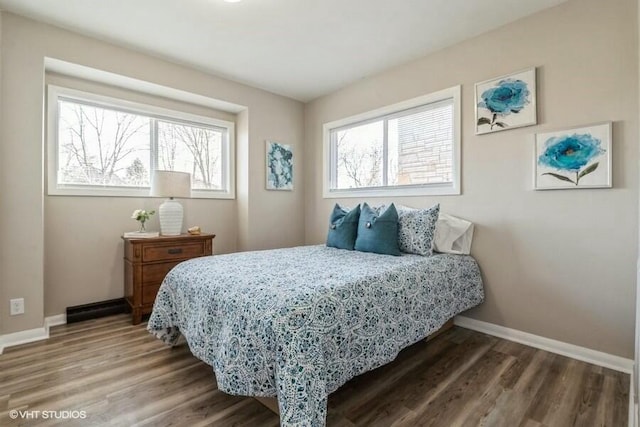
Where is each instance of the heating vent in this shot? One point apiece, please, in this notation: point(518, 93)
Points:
point(95, 310)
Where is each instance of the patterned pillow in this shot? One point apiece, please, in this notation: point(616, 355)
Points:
point(378, 233)
point(343, 227)
point(416, 229)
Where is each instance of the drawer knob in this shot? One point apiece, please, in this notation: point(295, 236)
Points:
point(174, 251)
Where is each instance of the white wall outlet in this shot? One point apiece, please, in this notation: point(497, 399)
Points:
point(17, 306)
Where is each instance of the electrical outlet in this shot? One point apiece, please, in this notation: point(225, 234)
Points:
point(17, 306)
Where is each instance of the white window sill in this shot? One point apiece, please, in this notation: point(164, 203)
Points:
point(432, 190)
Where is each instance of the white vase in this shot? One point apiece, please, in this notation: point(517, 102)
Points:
point(170, 213)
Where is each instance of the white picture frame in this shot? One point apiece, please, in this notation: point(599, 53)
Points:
point(574, 158)
point(506, 102)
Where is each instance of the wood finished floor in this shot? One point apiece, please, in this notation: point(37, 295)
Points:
point(120, 375)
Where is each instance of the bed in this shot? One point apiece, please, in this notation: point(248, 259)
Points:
point(298, 323)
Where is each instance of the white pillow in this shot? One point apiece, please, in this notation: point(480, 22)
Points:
point(453, 235)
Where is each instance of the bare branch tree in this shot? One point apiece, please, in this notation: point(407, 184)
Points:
point(201, 143)
point(167, 148)
point(87, 135)
point(374, 156)
point(99, 141)
point(362, 167)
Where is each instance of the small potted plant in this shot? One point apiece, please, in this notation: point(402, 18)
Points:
point(142, 216)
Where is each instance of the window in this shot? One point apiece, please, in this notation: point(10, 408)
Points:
point(410, 148)
point(101, 146)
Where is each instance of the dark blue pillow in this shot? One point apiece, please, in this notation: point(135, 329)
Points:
point(378, 232)
point(343, 227)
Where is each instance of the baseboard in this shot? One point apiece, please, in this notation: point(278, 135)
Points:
point(31, 335)
point(58, 319)
point(584, 354)
point(23, 337)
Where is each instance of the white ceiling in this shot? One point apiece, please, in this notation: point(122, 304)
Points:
point(298, 48)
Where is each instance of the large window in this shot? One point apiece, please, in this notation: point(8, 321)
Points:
point(410, 148)
point(104, 146)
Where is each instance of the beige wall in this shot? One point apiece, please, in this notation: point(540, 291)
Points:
point(560, 264)
point(61, 251)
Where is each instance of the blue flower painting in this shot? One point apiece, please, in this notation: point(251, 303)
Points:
point(506, 102)
point(279, 166)
point(569, 157)
point(508, 96)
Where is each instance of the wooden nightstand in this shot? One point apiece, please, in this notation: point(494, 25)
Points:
point(147, 261)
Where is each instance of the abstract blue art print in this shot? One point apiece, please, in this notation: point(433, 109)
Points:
point(506, 102)
point(279, 166)
point(574, 158)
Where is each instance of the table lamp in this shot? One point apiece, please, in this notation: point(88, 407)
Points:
point(170, 184)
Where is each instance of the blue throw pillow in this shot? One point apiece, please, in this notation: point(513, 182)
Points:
point(343, 227)
point(378, 232)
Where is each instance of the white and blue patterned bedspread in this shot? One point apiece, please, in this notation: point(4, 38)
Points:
point(298, 323)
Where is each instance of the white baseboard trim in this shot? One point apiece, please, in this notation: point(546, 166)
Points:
point(584, 354)
point(23, 337)
point(58, 319)
point(31, 335)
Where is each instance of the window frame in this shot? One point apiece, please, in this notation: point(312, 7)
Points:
point(329, 158)
point(55, 93)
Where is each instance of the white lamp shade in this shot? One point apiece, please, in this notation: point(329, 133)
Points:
point(170, 184)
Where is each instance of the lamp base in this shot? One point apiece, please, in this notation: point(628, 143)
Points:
point(170, 214)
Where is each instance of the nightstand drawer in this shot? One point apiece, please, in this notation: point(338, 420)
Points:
point(182, 250)
point(149, 293)
point(154, 273)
